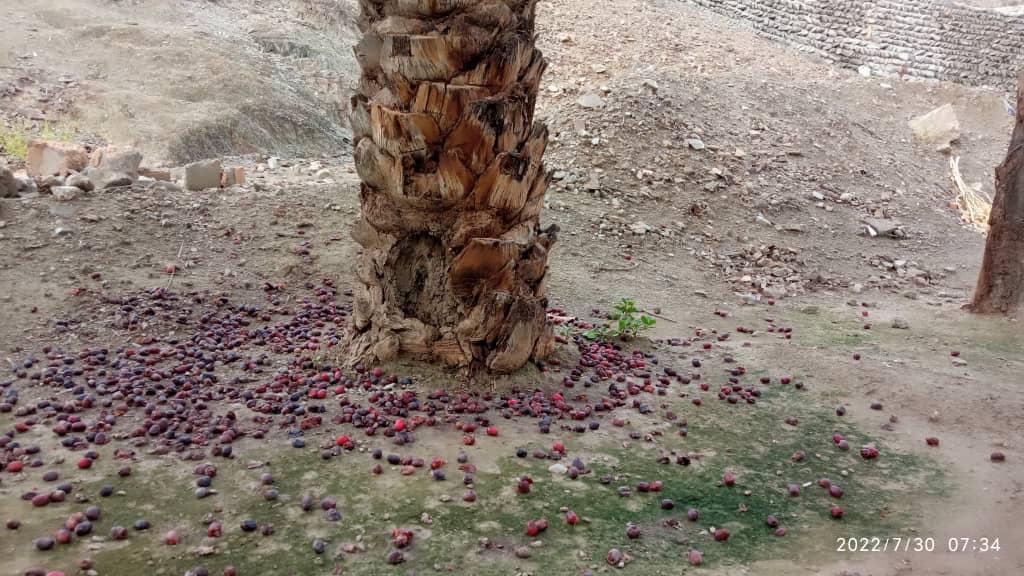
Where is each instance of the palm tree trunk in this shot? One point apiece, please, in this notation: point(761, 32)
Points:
point(453, 260)
point(1001, 281)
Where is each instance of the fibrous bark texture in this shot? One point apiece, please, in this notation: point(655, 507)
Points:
point(454, 261)
point(1001, 281)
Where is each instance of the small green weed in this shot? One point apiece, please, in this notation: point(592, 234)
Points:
point(629, 323)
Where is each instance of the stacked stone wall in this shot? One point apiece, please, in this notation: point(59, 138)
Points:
point(918, 38)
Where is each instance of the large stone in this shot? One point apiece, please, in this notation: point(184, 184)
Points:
point(202, 175)
point(47, 158)
point(939, 127)
point(8, 183)
point(80, 181)
point(117, 159)
point(104, 178)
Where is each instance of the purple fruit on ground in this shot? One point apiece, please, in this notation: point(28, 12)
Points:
point(614, 557)
point(997, 457)
point(106, 491)
point(307, 503)
point(62, 536)
point(843, 445)
point(836, 512)
point(721, 535)
point(876, 405)
point(692, 514)
point(772, 521)
point(13, 524)
point(794, 490)
point(119, 533)
point(319, 545)
point(249, 525)
point(83, 528)
point(51, 476)
point(44, 543)
point(835, 491)
point(667, 504)
point(840, 410)
point(142, 524)
point(93, 513)
point(780, 532)
point(632, 531)
point(396, 557)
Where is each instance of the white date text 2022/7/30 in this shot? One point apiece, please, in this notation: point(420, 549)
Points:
point(917, 544)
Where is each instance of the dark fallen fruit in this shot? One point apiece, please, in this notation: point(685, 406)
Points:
point(840, 410)
point(667, 504)
point(780, 532)
point(214, 530)
point(721, 535)
point(319, 545)
point(932, 441)
point(62, 536)
point(798, 456)
point(729, 479)
point(119, 533)
point(571, 518)
point(835, 491)
point(171, 538)
point(51, 476)
point(632, 531)
point(876, 405)
point(141, 524)
point(229, 571)
point(856, 356)
point(396, 557)
point(614, 557)
point(623, 491)
point(643, 487)
point(542, 524)
point(836, 512)
point(13, 524)
point(469, 496)
point(531, 528)
point(692, 514)
point(44, 543)
point(93, 513)
point(997, 457)
point(249, 525)
point(869, 452)
point(83, 528)
point(106, 491)
point(523, 487)
point(843, 445)
point(772, 521)
point(307, 503)
point(794, 490)
point(521, 452)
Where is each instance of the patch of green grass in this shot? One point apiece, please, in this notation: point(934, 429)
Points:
point(14, 140)
point(13, 143)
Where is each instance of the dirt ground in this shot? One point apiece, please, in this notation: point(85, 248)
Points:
point(777, 129)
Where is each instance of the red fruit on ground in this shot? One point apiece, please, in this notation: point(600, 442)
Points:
point(869, 452)
point(932, 441)
point(14, 467)
point(721, 535)
point(729, 479)
point(342, 440)
point(531, 528)
point(399, 424)
point(571, 518)
point(695, 557)
point(997, 457)
point(469, 440)
point(171, 539)
point(836, 512)
point(492, 431)
point(558, 447)
point(85, 463)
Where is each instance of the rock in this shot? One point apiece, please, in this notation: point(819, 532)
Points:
point(80, 181)
point(164, 175)
point(47, 158)
point(696, 143)
point(776, 292)
point(650, 85)
point(323, 174)
point(48, 182)
point(273, 163)
point(880, 227)
point(864, 71)
point(857, 288)
point(939, 127)
point(523, 552)
point(65, 193)
point(762, 220)
point(590, 100)
point(27, 187)
point(959, 362)
point(117, 159)
point(900, 323)
point(202, 175)
point(9, 185)
point(233, 176)
point(640, 228)
point(104, 178)
point(558, 469)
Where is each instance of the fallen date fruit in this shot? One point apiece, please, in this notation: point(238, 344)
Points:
point(319, 546)
point(869, 452)
point(396, 557)
point(13, 524)
point(836, 512)
point(632, 531)
point(840, 410)
point(142, 524)
point(835, 491)
point(214, 530)
point(695, 557)
point(997, 457)
point(932, 441)
point(249, 525)
point(614, 557)
point(729, 479)
point(62, 536)
point(721, 535)
point(692, 514)
point(571, 518)
point(780, 532)
point(667, 504)
point(772, 521)
point(44, 543)
point(794, 490)
point(119, 533)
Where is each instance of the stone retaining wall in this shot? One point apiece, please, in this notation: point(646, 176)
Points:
point(920, 38)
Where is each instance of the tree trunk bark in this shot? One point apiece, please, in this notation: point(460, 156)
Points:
point(1001, 281)
point(453, 261)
